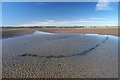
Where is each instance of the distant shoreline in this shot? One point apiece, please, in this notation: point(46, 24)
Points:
point(7, 33)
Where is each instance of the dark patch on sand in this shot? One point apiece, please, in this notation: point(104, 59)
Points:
point(34, 55)
point(62, 56)
point(25, 44)
point(62, 37)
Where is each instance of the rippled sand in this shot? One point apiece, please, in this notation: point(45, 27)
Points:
point(60, 56)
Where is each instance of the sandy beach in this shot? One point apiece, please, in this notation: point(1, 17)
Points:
point(59, 39)
point(6, 33)
point(44, 55)
point(101, 31)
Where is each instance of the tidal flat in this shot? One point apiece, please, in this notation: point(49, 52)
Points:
point(44, 55)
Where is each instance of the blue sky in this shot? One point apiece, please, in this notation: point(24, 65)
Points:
point(59, 14)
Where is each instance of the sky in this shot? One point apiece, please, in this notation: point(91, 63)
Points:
point(59, 14)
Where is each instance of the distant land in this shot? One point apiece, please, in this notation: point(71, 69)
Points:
point(11, 31)
point(60, 26)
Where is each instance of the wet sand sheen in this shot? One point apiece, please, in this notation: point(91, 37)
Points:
point(60, 56)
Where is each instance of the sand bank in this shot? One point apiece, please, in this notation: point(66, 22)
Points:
point(101, 31)
point(7, 33)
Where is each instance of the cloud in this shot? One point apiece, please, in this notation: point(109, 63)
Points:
point(60, 23)
point(51, 21)
point(103, 5)
point(97, 18)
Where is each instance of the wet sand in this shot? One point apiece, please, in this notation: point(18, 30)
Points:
point(42, 55)
point(7, 33)
point(101, 31)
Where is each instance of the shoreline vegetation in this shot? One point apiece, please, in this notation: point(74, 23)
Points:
point(8, 32)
